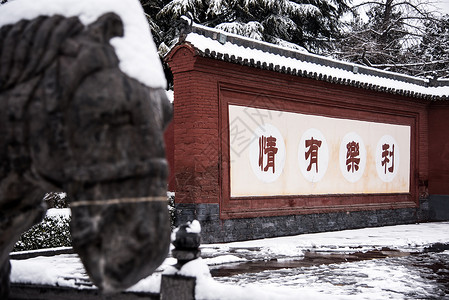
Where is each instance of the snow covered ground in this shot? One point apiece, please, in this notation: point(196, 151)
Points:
point(389, 278)
point(412, 273)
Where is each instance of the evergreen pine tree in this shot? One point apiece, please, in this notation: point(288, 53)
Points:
point(311, 24)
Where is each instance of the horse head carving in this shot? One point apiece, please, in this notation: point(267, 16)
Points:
point(72, 120)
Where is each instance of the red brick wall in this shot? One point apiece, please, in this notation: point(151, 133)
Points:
point(169, 155)
point(203, 89)
point(439, 149)
point(195, 131)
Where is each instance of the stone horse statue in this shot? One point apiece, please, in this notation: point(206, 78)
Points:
point(71, 120)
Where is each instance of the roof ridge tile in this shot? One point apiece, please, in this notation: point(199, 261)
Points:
point(249, 52)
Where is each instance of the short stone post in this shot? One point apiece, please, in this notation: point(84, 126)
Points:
point(186, 239)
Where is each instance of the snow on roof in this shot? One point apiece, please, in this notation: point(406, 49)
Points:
point(233, 48)
point(136, 49)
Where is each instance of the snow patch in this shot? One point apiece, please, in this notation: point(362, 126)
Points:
point(171, 98)
point(48, 271)
point(193, 227)
point(59, 212)
point(150, 284)
point(207, 288)
point(223, 259)
point(195, 268)
point(400, 237)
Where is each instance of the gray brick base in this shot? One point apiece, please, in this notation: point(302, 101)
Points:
point(439, 208)
point(215, 230)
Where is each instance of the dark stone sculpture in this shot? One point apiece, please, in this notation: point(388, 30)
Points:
point(186, 241)
point(187, 245)
point(71, 120)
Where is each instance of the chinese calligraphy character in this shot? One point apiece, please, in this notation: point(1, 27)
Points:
point(313, 146)
point(267, 146)
point(262, 144)
point(386, 155)
point(352, 159)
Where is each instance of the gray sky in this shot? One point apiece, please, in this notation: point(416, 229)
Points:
point(444, 5)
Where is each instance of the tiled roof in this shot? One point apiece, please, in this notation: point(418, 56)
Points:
point(216, 44)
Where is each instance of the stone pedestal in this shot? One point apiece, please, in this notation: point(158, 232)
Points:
point(177, 287)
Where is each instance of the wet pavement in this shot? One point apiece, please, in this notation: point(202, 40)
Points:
point(377, 274)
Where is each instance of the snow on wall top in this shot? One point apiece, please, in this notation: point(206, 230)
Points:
point(220, 45)
point(136, 49)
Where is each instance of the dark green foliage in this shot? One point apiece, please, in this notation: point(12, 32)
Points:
point(171, 209)
point(310, 24)
point(51, 232)
point(56, 200)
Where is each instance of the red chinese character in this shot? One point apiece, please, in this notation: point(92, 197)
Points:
point(352, 153)
point(262, 142)
point(386, 155)
point(267, 146)
point(313, 146)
